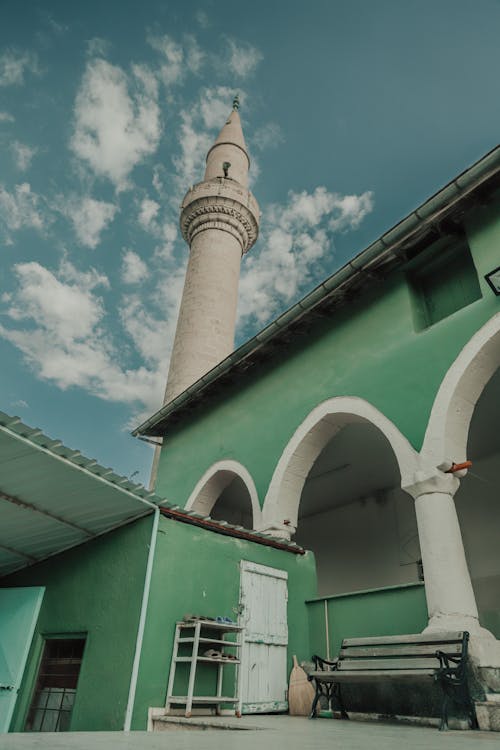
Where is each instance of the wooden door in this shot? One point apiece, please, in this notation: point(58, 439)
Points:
point(263, 614)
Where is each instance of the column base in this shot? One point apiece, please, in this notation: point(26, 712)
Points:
point(484, 648)
point(453, 622)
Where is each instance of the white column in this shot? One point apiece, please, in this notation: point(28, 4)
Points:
point(450, 597)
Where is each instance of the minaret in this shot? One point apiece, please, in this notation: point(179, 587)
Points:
point(220, 222)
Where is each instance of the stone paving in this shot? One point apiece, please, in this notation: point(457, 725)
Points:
point(274, 733)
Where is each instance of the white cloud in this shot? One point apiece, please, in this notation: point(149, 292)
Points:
point(194, 144)
point(269, 135)
point(194, 55)
point(350, 211)
point(6, 117)
point(157, 180)
point(153, 335)
point(177, 58)
point(14, 64)
point(295, 237)
point(89, 217)
point(21, 404)
point(162, 228)
point(202, 19)
point(68, 311)
point(117, 120)
point(62, 336)
point(23, 154)
point(197, 131)
point(148, 212)
point(134, 270)
point(21, 208)
point(215, 105)
point(98, 47)
point(57, 27)
point(168, 237)
point(242, 58)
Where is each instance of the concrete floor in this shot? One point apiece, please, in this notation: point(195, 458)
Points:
point(276, 733)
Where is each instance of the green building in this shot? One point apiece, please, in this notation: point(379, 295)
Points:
point(309, 486)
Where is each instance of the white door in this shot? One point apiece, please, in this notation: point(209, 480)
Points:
point(263, 614)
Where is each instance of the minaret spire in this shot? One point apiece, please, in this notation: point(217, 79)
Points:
point(229, 146)
point(220, 222)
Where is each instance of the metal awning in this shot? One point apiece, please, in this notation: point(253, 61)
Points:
point(53, 498)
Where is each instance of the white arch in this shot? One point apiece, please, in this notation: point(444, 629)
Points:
point(448, 428)
point(280, 511)
point(215, 480)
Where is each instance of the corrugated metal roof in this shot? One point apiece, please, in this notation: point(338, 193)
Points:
point(53, 498)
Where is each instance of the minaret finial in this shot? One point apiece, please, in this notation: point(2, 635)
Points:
point(236, 102)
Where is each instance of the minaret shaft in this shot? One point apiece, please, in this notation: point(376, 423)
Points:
point(207, 317)
point(220, 222)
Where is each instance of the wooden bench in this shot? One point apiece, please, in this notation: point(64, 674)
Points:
point(438, 657)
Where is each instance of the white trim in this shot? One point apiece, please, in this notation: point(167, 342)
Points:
point(264, 570)
point(448, 428)
point(209, 488)
point(318, 428)
point(142, 624)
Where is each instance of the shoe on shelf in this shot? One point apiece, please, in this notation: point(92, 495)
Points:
point(213, 653)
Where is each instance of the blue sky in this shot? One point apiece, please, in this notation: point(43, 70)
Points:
point(354, 113)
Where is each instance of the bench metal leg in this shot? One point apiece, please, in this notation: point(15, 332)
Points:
point(443, 727)
point(312, 715)
point(337, 696)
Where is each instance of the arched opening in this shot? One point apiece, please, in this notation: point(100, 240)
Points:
point(234, 505)
point(478, 504)
point(338, 486)
point(448, 429)
point(355, 517)
point(226, 492)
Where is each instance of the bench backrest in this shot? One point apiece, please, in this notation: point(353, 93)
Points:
point(400, 651)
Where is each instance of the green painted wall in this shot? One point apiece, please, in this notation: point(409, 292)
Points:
point(370, 349)
point(198, 572)
point(95, 589)
point(391, 611)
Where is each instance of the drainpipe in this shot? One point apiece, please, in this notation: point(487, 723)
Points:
point(142, 624)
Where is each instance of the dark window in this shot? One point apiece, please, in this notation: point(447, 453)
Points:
point(443, 281)
point(55, 690)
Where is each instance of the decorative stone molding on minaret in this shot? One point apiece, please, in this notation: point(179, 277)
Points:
point(220, 222)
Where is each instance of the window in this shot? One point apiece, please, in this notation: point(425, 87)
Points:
point(443, 280)
point(55, 689)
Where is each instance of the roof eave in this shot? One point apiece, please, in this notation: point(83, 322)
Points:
point(416, 223)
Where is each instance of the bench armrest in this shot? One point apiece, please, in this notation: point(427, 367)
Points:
point(324, 665)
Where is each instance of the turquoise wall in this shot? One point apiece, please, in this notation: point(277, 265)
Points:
point(371, 349)
point(95, 590)
point(198, 572)
point(394, 610)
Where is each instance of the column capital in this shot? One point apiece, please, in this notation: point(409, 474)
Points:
point(431, 482)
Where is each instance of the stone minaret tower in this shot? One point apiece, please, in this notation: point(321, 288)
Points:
point(220, 222)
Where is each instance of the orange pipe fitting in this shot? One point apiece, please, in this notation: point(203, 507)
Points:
point(459, 467)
